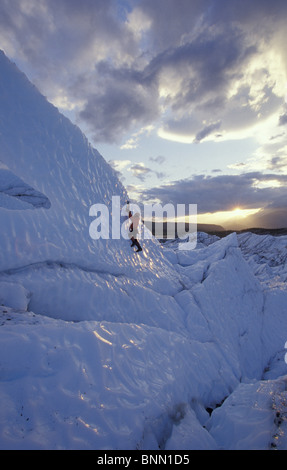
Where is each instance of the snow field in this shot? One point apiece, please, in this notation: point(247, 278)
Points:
point(127, 385)
point(96, 385)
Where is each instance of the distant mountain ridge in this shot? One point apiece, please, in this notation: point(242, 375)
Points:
point(162, 228)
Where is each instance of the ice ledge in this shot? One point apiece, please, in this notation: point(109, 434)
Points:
point(15, 194)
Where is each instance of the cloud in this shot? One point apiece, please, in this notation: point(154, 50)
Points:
point(160, 159)
point(65, 32)
point(138, 170)
point(222, 92)
point(207, 130)
point(133, 141)
point(198, 70)
point(278, 163)
point(59, 42)
point(268, 218)
point(283, 119)
point(117, 107)
point(216, 63)
point(224, 192)
point(120, 165)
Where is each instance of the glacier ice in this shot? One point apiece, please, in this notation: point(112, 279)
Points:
point(103, 349)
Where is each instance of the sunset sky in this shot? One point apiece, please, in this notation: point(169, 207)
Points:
point(187, 99)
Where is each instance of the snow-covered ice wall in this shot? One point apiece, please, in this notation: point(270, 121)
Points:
point(42, 148)
point(43, 151)
point(104, 348)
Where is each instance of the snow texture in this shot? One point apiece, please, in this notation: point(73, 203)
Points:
point(104, 348)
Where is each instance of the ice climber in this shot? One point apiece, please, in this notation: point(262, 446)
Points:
point(133, 229)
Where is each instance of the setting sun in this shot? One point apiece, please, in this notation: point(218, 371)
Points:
point(239, 212)
point(225, 216)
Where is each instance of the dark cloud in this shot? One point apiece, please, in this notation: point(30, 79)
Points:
point(180, 16)
point(278, 163)
point(59, 42)
point(207, 130)
point(117, 109)
point(244, 11)
point(283, 119)
point(268, 218)
point(224, 192)
point(62, 29)
point(123, 101)
point(207, 63)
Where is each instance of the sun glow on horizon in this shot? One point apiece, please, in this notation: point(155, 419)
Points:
point(238, 212)
point(222, 217)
